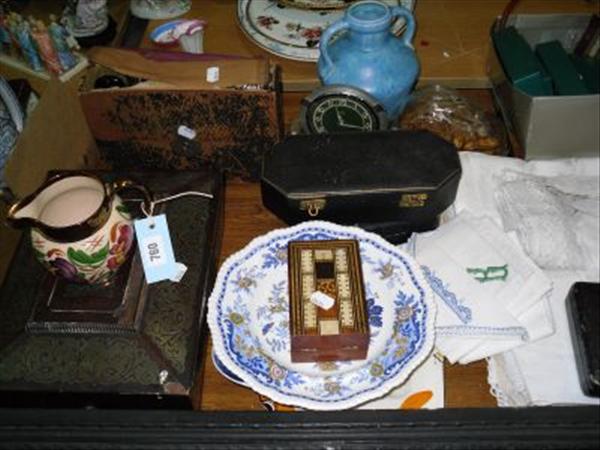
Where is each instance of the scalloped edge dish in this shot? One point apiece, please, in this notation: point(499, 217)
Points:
point(405, 303)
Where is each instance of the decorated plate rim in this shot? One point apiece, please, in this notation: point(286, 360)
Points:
point(295, 53)
point(305, 54)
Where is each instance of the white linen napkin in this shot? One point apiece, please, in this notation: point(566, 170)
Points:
point(543, 372)
point(490, 295)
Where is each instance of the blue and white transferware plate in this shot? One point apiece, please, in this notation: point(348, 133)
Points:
point(224, 371)
point(292, 28)
point(248, 316)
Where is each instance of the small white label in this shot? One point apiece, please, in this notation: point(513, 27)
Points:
point(154, 248)
point(186, 132)
point(323, 301)
point(212, 74)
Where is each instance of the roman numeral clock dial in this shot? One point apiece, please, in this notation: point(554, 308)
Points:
point(341, 109)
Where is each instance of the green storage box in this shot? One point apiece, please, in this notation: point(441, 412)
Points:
point(520, 63)
point(565, 78)
point(547, 126)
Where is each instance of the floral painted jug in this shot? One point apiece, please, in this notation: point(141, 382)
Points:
point(80, 228)
point(360, 50)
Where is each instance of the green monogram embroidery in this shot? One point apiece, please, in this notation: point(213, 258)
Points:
point(490, 273)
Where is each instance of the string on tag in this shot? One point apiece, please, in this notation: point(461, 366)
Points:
point(153, 203)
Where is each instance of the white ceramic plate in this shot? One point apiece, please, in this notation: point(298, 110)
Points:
point(248, 316)
point(290, 32)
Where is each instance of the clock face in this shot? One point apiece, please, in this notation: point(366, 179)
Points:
point(339, 113)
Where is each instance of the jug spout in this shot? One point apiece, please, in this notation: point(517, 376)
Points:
point(24, 213)
point(68, 206)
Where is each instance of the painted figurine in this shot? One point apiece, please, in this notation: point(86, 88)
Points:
point(27, 45)
point(40, 35)
point(4, 36)
point(11, 25)
point(60, 39)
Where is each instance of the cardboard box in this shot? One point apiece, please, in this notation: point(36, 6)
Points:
point(55, 136)
point(548, 126)
point(232, 118)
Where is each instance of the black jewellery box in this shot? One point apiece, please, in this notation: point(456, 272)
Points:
point(392, 183)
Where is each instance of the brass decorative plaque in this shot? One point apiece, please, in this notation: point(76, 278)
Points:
point(328, 314)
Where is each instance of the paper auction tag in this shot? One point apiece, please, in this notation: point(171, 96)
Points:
point(154, 243)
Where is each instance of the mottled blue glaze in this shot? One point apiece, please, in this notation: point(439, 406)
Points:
point(365, 54)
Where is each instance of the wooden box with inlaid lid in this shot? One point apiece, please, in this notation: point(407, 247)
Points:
point(337, 333)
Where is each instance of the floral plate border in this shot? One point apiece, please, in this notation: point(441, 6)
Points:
point(240, 315)
point(308, 37)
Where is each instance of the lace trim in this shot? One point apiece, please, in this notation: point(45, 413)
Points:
point(506, 381)
point(539, 213)
point(458, 330)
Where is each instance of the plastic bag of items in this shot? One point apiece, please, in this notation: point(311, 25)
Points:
point(446, 113)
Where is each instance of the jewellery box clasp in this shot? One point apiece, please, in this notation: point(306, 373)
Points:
point(313, 206)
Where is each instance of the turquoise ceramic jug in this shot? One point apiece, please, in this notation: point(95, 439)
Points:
point(365, 54)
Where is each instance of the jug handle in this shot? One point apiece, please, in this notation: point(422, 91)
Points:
point(409, 33)
point(323, 44)
point(7, 195)
point(121, 184)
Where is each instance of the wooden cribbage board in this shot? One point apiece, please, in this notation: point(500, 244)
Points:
point(340, 333)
